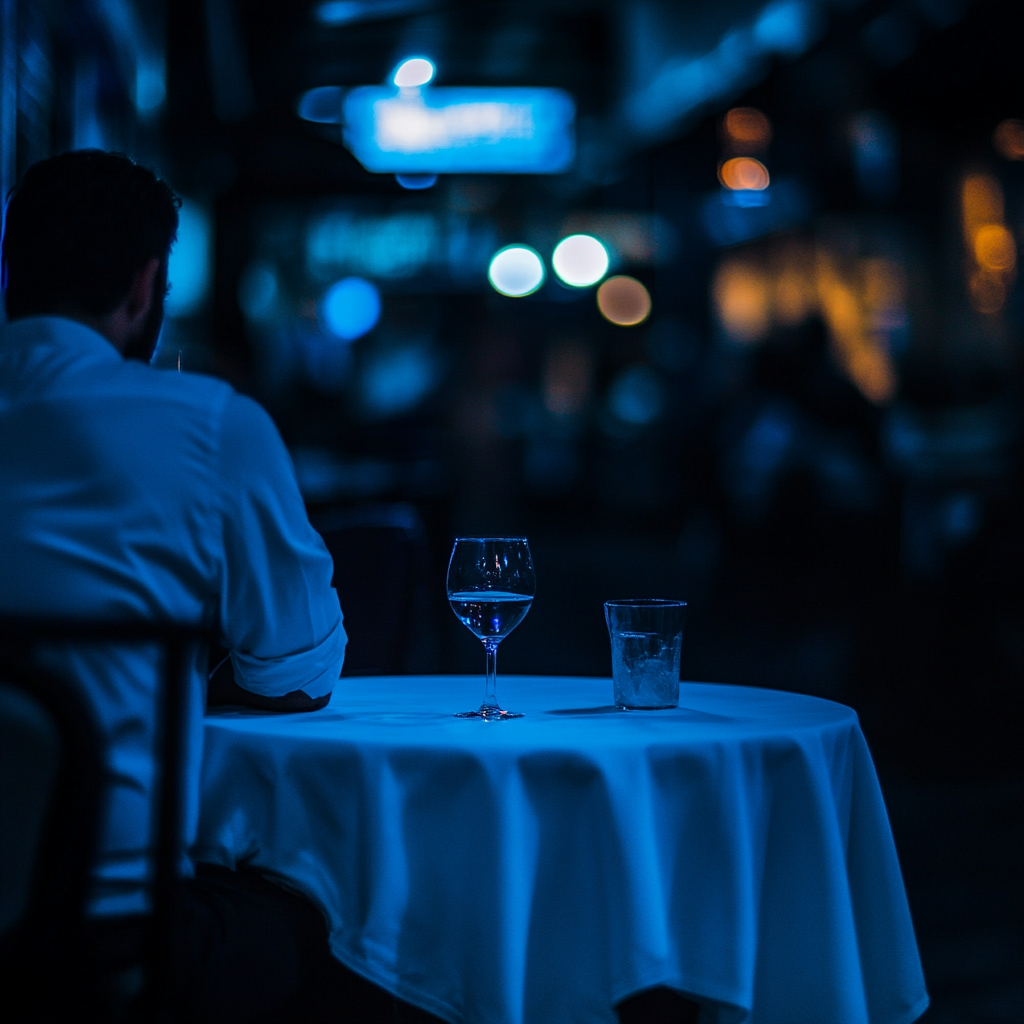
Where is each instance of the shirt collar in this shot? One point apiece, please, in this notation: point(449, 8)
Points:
point(58, 332)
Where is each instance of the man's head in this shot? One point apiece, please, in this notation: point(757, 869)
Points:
point(87, 236)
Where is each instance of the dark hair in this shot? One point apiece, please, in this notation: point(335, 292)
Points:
point(79, 227)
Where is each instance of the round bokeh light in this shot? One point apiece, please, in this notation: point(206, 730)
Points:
point(416, 181)
point(516, 270)
point(624, 301)
point(580, 260)
point(744, 173)
point(351, 308)
point(414, 72)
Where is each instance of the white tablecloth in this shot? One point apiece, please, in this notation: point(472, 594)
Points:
point(537, 871)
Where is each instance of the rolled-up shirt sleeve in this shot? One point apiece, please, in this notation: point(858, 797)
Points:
point(279, 614)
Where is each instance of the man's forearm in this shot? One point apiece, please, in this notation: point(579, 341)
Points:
point(222, 689)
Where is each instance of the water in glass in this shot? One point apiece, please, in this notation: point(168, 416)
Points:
point(491, 583)
point(645, 670)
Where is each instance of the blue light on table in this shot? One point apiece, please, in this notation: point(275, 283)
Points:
point(351, 308)
point(516, 270)
point(460, 130)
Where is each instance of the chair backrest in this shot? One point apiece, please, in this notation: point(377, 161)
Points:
point(381, 567)
point(51, 784)
point(30, 756)
point(47, 904)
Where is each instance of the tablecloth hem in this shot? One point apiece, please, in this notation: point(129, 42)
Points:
point(396, 987)
point(914, 1012)
point(723, 1010)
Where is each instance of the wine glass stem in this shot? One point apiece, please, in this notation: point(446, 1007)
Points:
point(491, 686)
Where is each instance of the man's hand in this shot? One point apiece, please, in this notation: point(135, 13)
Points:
point(222, 689)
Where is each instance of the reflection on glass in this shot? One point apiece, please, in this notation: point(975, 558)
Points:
point(491, 583)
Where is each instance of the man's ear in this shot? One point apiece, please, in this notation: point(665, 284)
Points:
point(140, 295)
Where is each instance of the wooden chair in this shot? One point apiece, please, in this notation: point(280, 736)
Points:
point(52, 759)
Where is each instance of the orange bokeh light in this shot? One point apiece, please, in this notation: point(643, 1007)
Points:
point(567, 378)
point(743, 172)
point(872, 372)
point(994, 248)
point(857, 349)
point(742, 298)
point(794, 297)
point(987, 292)
point(1008, 138)
point(747, 127)
point(982, 199)
point(624, 301)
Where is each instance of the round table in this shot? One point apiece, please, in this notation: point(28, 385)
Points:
point(542, 869)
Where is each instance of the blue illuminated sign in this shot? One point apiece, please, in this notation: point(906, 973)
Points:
point(460, 130)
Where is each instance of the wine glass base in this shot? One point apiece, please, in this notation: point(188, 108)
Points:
point(490, 714)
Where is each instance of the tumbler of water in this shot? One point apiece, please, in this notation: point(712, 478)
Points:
point(646, 637)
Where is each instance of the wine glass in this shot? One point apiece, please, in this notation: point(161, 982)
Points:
point(490, 586)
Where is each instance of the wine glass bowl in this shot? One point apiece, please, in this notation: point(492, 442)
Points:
point(491, 584)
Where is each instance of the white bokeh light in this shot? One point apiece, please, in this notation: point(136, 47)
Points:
point(580, 260)
point(414, 72)
point(516, 270)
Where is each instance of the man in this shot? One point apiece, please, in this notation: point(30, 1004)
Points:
point(128, 492)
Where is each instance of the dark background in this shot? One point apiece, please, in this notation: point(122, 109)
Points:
point(856, 545)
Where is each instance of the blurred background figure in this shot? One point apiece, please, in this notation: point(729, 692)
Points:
point(713, 304)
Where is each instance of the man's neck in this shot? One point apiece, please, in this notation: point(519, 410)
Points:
point(105, 325)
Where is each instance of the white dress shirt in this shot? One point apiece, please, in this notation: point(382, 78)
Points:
point(128, 492)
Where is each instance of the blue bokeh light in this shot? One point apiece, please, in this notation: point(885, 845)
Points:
point(416, 181)
point(351, 308)
point(396, 379)
point(258, 290)
point(150, 86)
point(322, 105)
point(786, 27)
point(461, 129)
point(636, 396)
point(188, 269)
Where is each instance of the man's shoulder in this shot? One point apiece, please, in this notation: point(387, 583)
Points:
point(173, 403)
point(176, 391)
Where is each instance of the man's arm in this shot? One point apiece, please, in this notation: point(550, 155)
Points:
point(223, 690)
point(279, 614)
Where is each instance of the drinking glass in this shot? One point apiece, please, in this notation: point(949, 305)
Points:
point(490, 586)
point(646, 637)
